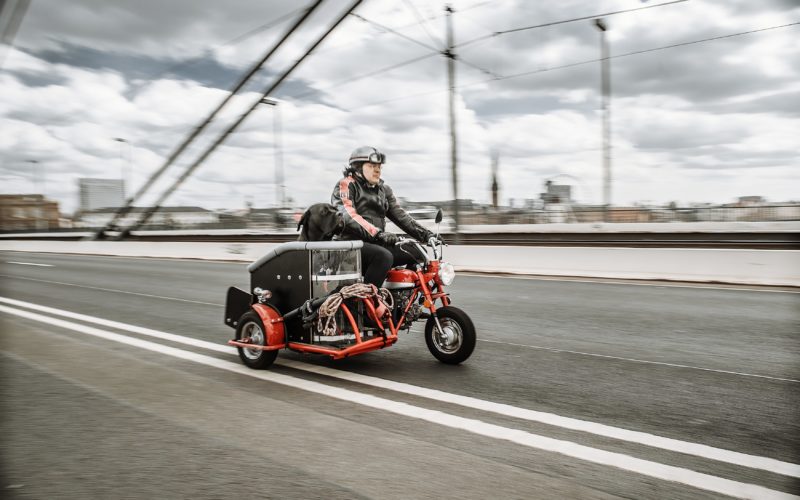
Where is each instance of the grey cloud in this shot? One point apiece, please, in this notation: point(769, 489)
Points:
point(37, 79)
point(783, 104)
point(735, 162)
point(207, 71)
point(487, 107)
point(681, 136)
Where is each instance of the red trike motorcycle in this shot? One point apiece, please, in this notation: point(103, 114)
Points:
point(309, 297)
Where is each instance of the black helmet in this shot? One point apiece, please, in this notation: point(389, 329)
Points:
point(366, 153)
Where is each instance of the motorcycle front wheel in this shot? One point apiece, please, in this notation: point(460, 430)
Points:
point(455, 341)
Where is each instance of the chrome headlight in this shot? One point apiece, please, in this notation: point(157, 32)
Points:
point(447, 273)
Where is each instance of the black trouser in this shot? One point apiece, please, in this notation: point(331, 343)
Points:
point(377, 260)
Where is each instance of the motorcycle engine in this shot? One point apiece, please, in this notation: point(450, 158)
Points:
point(401, 299)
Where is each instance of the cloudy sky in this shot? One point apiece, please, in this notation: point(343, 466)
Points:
point(701, 122)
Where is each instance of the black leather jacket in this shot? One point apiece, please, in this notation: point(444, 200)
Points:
point(364, 209)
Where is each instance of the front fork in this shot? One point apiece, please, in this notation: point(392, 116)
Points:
point(431, 297)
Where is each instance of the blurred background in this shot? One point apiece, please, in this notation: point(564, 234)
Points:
point(503, 112)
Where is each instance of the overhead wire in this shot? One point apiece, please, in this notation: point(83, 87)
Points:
point(366, 75)
point(438, 51)
point(495, 76)
point(579, 63)
point(394, 32)
point(644, 51)
point(565, 21)
point(423, 23)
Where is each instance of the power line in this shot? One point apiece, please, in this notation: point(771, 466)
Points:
point(682, 44)
point(390, 30)
point(445, 53)
point(554, 23)
point(423, 23)
point(405, 26)
point(580, 63)
point(494, 75)
point(263, 27)
point(366, 75)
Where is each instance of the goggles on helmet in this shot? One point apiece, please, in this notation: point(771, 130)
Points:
point(377, 157)
point(368, 154)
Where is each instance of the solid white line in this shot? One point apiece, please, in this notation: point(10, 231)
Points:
point(29, 264)
point(634, 360)
point(643, 438)
point(111, 290)
point(581, 452)
point(121, 326)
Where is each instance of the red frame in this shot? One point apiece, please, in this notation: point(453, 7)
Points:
point(276, 336)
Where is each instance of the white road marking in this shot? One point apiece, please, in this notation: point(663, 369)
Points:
point(523, 438)
point(112, 290)
point(634, 360)
point(29, 264)
point(642, 438)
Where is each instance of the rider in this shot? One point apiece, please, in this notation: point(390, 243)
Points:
point(364, 201)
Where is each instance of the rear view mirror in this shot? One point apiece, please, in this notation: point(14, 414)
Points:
point(438, 216)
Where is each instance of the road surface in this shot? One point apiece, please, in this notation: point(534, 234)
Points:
point(117, 384)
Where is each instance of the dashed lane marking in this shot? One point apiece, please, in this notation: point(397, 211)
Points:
point(634, 360)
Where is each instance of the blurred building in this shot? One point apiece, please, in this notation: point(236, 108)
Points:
point(557, 193)
point(100, 193)
point(749, 201)
point(27, 211)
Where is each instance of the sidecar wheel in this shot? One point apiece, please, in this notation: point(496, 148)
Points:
point(250, 325)
point(456, 341)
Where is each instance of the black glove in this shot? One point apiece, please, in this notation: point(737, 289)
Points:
point(387, 239)
point(435, 241)
point(431, 239)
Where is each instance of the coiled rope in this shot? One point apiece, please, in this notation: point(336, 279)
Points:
point(326, 321)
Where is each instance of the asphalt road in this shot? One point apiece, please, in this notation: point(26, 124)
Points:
point(577, 389)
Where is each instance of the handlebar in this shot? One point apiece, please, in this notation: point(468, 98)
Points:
point(437, 250)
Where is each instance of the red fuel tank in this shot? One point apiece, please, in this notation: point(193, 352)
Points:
point(400, 278)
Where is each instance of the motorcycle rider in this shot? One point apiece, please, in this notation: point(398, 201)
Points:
point(364, 201)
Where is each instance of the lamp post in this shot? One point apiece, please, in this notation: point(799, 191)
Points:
point(35, 176)
point(606, 133)
point(280, 195)
point(122, 173)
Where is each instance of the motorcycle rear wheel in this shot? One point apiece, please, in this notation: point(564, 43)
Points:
point(455, 343)
point(250, 326)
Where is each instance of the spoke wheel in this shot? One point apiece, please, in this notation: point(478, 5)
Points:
point(455, 341)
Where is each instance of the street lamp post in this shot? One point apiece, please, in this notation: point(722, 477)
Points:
point(606, 88)
point(280, 195)
point(36, 177)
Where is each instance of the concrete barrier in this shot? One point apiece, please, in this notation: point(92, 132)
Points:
point(753, 267)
